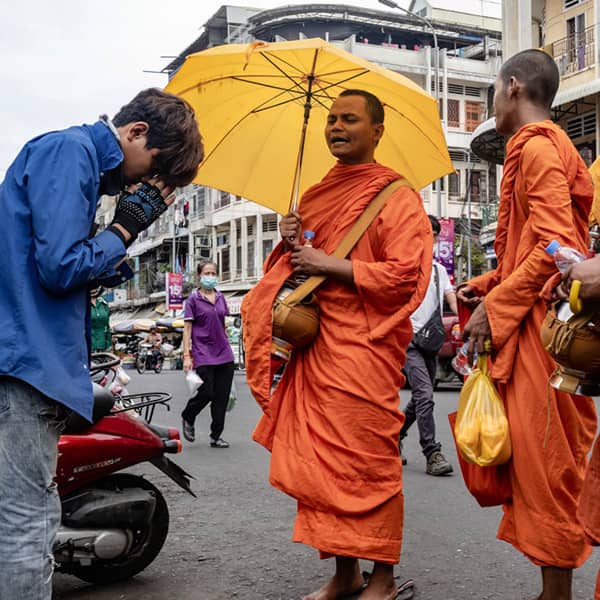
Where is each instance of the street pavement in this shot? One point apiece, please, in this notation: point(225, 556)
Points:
point(234, 540)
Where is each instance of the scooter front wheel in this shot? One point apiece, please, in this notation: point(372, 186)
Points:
point(148, 541)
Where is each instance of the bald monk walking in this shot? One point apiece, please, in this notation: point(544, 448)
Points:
point(546, 194)
point(333, 422)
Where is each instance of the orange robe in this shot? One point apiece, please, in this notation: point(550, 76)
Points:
point(546, 194)
point(595, 211)
point(333, 422)
point(589, 505)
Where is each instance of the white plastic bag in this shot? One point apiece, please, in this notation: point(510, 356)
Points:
point(232, 397)
point(193, 380)
point(122, 377)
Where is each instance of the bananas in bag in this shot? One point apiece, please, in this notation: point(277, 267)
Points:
point(481, 429)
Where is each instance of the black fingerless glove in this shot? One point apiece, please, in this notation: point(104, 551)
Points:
point(137, 211)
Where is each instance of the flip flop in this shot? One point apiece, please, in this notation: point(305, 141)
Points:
point(406, 590)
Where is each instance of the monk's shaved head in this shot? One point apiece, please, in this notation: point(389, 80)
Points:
point(537, 72)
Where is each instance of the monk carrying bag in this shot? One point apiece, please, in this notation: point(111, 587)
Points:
point(430, 338)
point(296, 313)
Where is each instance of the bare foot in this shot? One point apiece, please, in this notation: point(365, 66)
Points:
point(379, 591)
point(337, 588)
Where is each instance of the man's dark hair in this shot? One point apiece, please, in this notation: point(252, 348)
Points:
point(537, 71)
point(435, 225)
point(374, 106)
point(205, 263)
point(172, 129)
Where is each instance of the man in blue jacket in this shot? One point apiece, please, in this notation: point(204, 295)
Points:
point(49, 260)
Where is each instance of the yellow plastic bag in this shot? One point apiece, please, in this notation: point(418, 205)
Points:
point(481, 429)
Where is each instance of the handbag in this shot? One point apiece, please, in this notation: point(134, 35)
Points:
point(431, 337)
point(490, 486)
point(575, 346)
point(296, 313)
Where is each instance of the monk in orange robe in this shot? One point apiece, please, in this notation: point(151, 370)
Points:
point(333, 422)
point(588, 273)
point(546, 194)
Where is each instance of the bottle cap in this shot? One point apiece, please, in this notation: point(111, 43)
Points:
point(552, 247)
point(309, 235)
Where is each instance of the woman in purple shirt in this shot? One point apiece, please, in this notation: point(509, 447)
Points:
point(206, 348)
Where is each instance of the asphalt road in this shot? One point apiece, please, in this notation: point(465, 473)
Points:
point(234, 540)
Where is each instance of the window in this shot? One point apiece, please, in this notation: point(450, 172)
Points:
point(582, 125)
point(475, 182)
point(453, 113)
point(454, 184)
point(251, 260)
point(225, 273)
point(267, 247)
point(576, 54)
point(475, 92)
point(473, 114)
point(224, 199)
point(571, 3)
point(269, 223)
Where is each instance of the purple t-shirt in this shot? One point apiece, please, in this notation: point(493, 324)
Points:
point(210, 345)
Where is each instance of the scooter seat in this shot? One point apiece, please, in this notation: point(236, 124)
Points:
point(103, 403)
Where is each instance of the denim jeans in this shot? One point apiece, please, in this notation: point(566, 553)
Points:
point(30, 424)
point(420, 372)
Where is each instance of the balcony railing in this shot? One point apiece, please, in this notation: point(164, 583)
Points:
point(575, 52)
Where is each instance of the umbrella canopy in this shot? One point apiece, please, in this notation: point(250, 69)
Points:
point(263, 108)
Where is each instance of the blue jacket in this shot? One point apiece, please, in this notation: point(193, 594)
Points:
point(47, 260)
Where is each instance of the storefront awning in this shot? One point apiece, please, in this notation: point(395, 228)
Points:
point(577, 92)
point(139, 248)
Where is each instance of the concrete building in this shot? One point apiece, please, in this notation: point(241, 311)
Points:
point(239, 234)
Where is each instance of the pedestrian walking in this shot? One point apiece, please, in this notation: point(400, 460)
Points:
point(333, 421)
point(206, 349)
point(421, 366)
point(101, 337)
point(546, 194)
point(48, 262)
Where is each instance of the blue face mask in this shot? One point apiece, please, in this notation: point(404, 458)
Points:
point(208, 282)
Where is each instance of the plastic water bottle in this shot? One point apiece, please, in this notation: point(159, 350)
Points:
point(563, 256)
point(309, 237)
point(460, 363)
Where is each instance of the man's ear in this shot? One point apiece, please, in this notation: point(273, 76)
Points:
point(378, 129)
point(137, 129)
point(514, 87)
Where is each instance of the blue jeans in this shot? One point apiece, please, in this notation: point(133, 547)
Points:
point(420, 372)
point(30, 424)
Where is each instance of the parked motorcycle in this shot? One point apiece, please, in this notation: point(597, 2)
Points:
point(114, 524)
point(145, 359)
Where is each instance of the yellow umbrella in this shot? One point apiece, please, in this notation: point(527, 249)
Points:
point(263, 107)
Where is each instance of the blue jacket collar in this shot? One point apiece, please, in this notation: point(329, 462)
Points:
point(107, 146)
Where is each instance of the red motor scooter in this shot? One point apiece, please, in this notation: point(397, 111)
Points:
point(113, 524)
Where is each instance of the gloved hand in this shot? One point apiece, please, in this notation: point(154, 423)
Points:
point(136, 211)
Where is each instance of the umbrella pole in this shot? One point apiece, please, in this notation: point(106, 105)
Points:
point(307, 106)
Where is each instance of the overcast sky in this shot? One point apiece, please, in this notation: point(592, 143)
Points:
point(63, 62)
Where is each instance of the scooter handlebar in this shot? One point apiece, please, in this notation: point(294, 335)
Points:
point(103, 361)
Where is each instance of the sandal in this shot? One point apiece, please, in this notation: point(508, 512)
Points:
point(406, 590)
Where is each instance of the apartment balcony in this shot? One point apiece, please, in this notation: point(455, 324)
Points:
point(575, 53)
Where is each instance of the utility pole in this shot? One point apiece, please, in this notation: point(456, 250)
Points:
point(436, 77)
